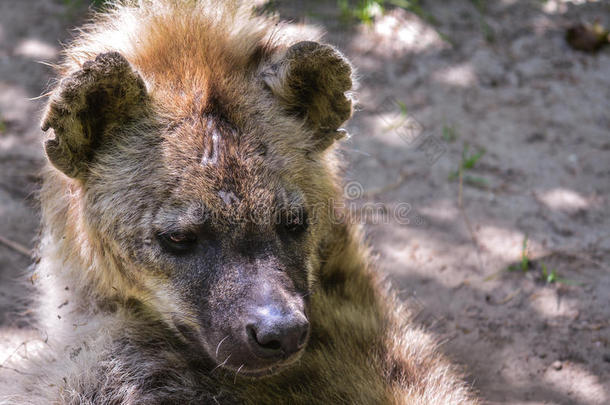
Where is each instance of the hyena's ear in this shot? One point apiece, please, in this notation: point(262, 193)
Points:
point(311, 81)
point(104, 94)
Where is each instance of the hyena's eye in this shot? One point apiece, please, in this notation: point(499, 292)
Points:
point(294, 223)
point(177, 242)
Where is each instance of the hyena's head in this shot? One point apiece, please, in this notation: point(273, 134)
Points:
point(206, 198)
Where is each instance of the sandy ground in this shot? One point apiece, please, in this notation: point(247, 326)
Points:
point(499, 80)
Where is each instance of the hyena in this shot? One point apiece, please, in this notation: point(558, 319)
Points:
point(192, 249)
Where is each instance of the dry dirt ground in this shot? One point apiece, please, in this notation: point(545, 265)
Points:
point(491, 79)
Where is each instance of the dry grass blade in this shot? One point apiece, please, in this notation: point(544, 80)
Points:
point(17, 247)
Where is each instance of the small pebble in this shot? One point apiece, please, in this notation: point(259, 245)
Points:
point(536, 137)
point(557, 365)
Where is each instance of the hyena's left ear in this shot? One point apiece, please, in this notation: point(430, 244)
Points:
point(104, 94)
point(311, 81)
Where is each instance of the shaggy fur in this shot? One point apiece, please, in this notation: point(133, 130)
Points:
point(189, 114)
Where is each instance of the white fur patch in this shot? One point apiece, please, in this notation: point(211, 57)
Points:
point(210, 151)
point(228, 197)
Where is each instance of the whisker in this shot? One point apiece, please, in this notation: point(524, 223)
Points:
point(237, 372)
point(219, 343)
point(221, 364)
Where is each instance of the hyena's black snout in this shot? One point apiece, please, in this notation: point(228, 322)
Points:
point(276, 331)
point(257, 321)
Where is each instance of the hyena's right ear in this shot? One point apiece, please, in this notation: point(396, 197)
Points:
point(104, 94)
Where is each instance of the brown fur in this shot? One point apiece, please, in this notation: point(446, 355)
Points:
point(168, 106)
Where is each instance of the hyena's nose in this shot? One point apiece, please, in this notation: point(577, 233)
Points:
point(274, 334)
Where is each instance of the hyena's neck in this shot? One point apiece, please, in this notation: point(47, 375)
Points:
point(344, 251)
point(77, 277)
